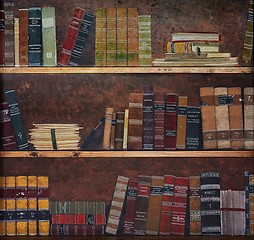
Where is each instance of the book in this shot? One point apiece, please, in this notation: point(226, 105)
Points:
point(170, 120)
point(2, 33)
point(246, 202)
point(49, 51)
point(135, 124)
point(7, 140)
point(107, 128)
point(145, 40)
point(125, 129)
point(251, 202)
point(16, 41)
point(113, 130)
point(181, 122)
point(2, 205)
point(16, 119)
point(35, 55)
point(195, 36)
point(71, 36)
point(207, 104)
point(117, 204)
point(23, 37)
point(119, 130)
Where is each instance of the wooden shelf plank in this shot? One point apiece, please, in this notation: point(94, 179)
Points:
point(122, 70)
point(128, 154)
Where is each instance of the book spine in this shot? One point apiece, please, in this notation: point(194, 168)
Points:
point(119, 130)
point(16, 41)
point(23, 37)
point(83, 33)
point(125, 129)
point(71, 36)
point(170, 121)
point(17, 122)
point(100, 213)
point(2, 206)
point(112, 133)
point(107, 128)
point(247, 202)
point(251, 202)
point(2, 43)
point(35, 37)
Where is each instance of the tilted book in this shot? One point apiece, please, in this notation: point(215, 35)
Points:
point(2, 37)
point(23, 37)
point(119, 130)
point(107, 128)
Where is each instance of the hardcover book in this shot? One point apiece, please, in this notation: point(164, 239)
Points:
point(251, 202)
point(125, 129)
point(2, 205)
point(2, 33)
point(16, 41)
point(119, 130)
point(192, 36)
point(23, 37)
point(113, 130)
point(107, 128)
point(247, 202)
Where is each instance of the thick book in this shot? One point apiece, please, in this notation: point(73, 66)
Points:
point(207, 104)
point(35, 55)
point(170, 121)
point(107, 128)
point(71, 36)
point(49, 51)
point(135, 128)
point(7, 141)
point(2, 37)
point(16, 41)
point(251, 202)
point(16, 119)
point(119, 130)
point(210, 203)
point(23, 37)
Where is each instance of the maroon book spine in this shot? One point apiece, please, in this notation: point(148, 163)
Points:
point(170, 121)
point(71, 36)
point(1, 37)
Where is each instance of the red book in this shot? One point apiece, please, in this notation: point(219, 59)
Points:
point(71, 36)
point(1, 37)
point(81, 219)
point(179, 206)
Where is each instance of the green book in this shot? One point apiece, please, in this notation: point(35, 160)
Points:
point(49, 36)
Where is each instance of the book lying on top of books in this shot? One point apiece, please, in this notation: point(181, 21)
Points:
point(195, 36)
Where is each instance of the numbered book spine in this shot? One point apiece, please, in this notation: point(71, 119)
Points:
point(23, 37)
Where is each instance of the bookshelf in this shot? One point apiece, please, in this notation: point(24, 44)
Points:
point(81, 94)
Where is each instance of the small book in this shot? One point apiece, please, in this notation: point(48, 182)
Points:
point(2, 37)
point(113, 130)
point(107, 128)
point(23, 37)
point(119, 130)
point(125, 129)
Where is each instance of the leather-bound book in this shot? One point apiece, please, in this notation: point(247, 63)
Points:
point(210, 203)
point(148, 118)
point(7, 133)
point(222, 117)
point(83, 34)
point(16, 41)
point(35, 54)
point(71, 36)
point(235, 110)
point(135, 128)
point(17, 121)
point(170, 121)
point(23, 37)
point(154, 207)
point(159, 120)
point(142, 203)
point(133, 42)
point(2, 37)
point(107, 128)
point(181, 122)
point(248, 117)
point(101, 37)
point(179, 208)
point(207, 102)
point(2, 205)
point(113, 130)
point(111, 36)
point(194, 201)
point(119, 130)
point(121, 36)
point(247, 201)
point(166, 204)
point(251, 202)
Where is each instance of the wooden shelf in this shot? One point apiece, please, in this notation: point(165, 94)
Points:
point(123, 70)
point(128, 154)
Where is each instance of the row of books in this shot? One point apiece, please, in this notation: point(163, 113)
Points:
point(174, 205)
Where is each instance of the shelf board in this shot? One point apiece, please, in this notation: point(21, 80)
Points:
point(128, 154)
point(122, 70)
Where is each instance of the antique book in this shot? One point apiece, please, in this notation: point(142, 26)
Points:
point(23, 37)
point(222, 117)
point(142, 203)
point(133, 40)
point(246, 202)
point(170, 121)
point(125, 129)
point(181, 122)
point(210, 203)
point(107, 128)
point(113, 130)
point(207, 103)
point(121, 36)
point(154, 206)
point(193, 128)
point(117, 204)
point(119, 130)
point(111, 36)
point(35, 55)
point(235, 110)
point(145, 40)
point(159, 120)
point(2, 205)
point(248, 117)
point(166, 204)
point(232, 212)
point(135, 128)
point(251, 202)
point(16, 41)
point(101, 37)
point(16, 119)
point(7, 140)
point(148, 118)
point(179, 207)
point(194, 201)
point(9, 58)
point(49, 51)
point(248, 37)
point(80, 43)
point(71, 36)
point(193, 36)
point(2, 42)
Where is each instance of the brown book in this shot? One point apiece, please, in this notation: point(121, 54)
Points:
point(119, 130)
point(2, 205)
point(107, 128)
point(112, 133)
point(16, 41)
point(135, 128)
point(236, 118)
point(207, 102)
